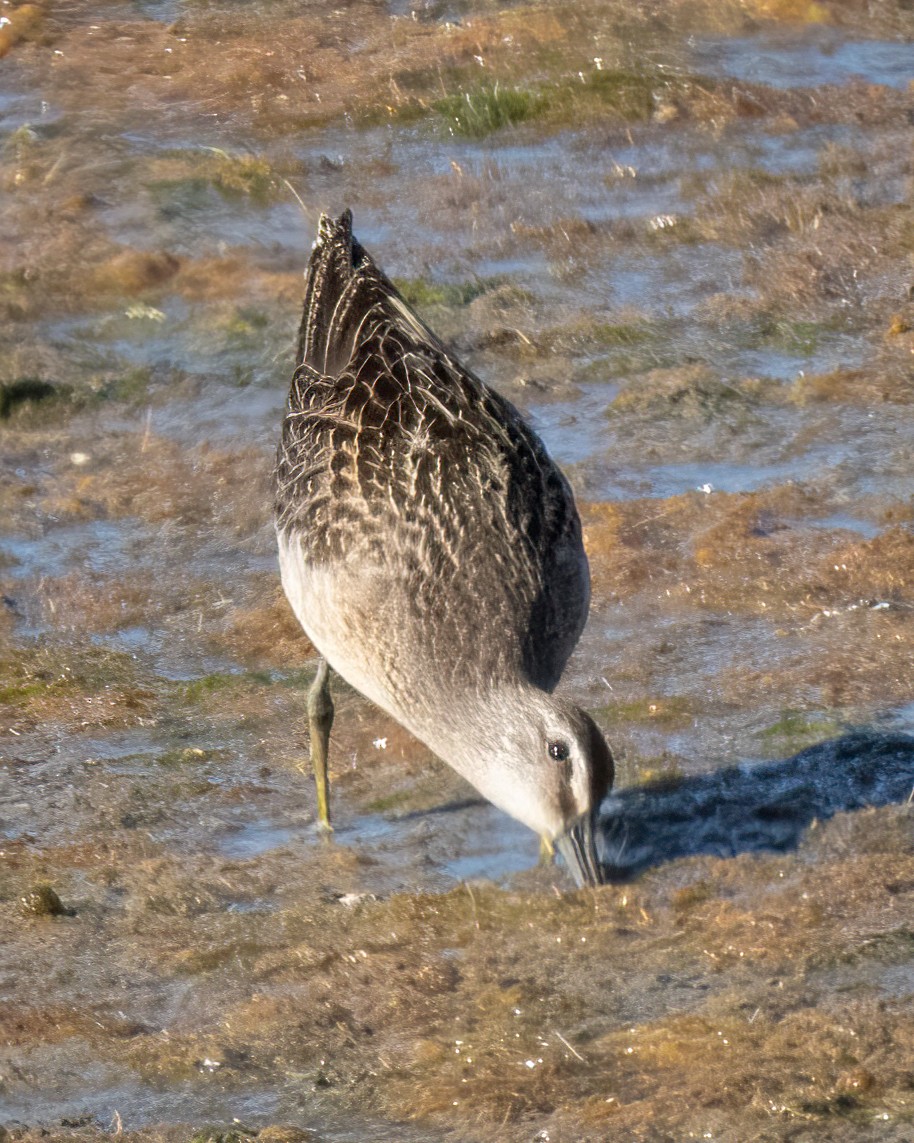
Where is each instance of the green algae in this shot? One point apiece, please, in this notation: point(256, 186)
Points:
point(425, 294)
point(219, 682)
point(796, 729)
point(197, 690)
point(131, 387)
point(231, 174)
point(246, 326)
point(690, 392)
point(627, 93)
point(623, 335)
point(250, 175)
point(792, 335)
point(397, 801)
point(39, 402)
point(51, 669)
point(670, 712)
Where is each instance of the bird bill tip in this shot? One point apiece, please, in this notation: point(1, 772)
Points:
point(579, 852)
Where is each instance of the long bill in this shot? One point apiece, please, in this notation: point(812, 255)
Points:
point(579, 851)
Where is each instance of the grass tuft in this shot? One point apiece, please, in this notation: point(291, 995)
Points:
point(487, 109)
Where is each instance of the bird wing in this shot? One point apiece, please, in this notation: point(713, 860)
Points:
point(398, 461)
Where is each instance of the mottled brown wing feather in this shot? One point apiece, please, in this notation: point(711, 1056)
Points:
point(394, 455)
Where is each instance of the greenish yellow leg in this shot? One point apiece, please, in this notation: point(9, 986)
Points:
point(547, 850)
point(320, 720)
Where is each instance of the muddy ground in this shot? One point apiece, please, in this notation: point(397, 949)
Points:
point(679, 236)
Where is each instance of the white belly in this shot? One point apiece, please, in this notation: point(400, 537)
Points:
point(341, 613)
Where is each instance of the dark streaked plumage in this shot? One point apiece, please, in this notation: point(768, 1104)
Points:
point(430, 548)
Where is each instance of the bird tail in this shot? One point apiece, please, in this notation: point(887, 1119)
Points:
point(343, 284)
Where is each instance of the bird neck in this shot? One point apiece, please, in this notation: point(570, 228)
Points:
point(476, 733)
point(461, 722)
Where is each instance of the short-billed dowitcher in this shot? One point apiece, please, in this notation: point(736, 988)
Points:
point(432, 552)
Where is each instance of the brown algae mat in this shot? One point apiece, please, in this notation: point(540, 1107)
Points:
point(679, 236)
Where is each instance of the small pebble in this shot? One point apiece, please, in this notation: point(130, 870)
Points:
point(44, 902)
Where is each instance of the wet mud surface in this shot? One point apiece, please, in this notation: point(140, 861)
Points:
point(680, 237)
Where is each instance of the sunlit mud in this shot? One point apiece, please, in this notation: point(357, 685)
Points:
point(679, 237)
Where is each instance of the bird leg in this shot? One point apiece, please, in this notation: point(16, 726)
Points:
point(547, 850)
point(320, 719)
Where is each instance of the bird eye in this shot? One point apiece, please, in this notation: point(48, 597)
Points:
point(559, 750)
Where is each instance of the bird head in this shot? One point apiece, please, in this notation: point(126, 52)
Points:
point(544, 761)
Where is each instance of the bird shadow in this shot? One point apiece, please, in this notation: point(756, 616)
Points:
point(743, 809)
point(454, 806)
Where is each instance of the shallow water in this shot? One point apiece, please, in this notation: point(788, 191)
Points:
point(699, 292)
point(820, 57)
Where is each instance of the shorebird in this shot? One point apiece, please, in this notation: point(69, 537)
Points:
point(432, 552)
